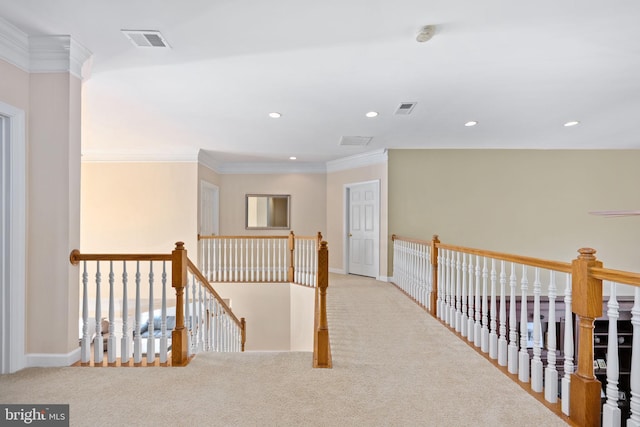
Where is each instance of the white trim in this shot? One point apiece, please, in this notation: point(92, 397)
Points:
point(48, 360)
point(15, 303)
point(337, 270)
point(14, 45)
point(51, 54)
point(387, 279)
point(360, 160)
point(271, 168)
point(103, 157)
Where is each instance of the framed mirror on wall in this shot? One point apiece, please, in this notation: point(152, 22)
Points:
point(267, 211)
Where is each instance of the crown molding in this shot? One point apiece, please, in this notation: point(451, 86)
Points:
point(244, 168)
point(14, 45)
point(51, 54)
point(128, 157)
point(270, 168)
point(43, 54)
point(359, 160)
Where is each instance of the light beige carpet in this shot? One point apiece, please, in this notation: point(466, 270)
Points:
point(393, 366)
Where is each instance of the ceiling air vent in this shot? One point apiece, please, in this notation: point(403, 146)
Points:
point(405, 108)
point(141, 38)
point(355, 140)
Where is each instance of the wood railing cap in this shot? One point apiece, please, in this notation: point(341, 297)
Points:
point(587, 253)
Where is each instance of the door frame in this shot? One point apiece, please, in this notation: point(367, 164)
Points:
point(346, 224)
point(13, 308)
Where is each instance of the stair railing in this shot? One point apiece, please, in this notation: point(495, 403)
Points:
point(195, 319)
point(479, 293)
point(262, 259)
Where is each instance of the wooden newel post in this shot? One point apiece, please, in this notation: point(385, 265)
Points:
point(585, 389)
point(292, 246)
point(434, 275)
point(322, 333)
point(179, 351)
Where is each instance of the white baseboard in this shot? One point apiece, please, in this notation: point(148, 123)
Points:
point(48, 360)
point(337, 270)
point(385, 279)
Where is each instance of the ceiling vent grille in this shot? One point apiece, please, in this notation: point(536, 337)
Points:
point(405, 108)
point(355, 140)
point(146, 38)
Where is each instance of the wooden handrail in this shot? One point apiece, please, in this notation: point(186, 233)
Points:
point(587, 275)
point(564, 267)
point(617, 276)
point(241, 237)
point(75, 257)
point(194, 270)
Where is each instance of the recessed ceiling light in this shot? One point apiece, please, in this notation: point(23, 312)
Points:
point(275, 115)
point(292, 158)
point(372, 114)
point(471, 123)
point(572, 123)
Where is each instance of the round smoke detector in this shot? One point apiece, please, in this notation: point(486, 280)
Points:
point(426, 33)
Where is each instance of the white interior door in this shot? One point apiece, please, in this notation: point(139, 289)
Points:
point(209, 209)
point(364, 228)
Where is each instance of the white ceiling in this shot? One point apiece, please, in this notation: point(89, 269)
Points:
point(521, 69)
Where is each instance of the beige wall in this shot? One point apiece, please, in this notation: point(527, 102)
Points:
point(51, 102)
point(139, 207)
point(528, 202)
point(308, 201)
point(14, 86)
point(336, 182)
point(279, 315)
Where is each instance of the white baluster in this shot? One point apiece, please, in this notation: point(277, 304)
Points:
point(195, 327)
point(137, 339)
point(477, 333)
point(464, 319)
point(187, 318)
point(523, 362)
point(611, 415)
point(568, 347)
point(493, 334)
point(219, 264)
point(502, 341)
point(111, 340)
point(151, 339)
point(164, 344)
point(550, 373)
point(125, 348)
point(536, 363)
point(458, 311)
point(634, 419)
point(85, 349)
point(252, 260)
point(200, 318)
point(449, 284)
point(512, 355)
point(471, 322)
point(98, 344)
point(429, 275)
point(439, 304)
point(485, 308)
